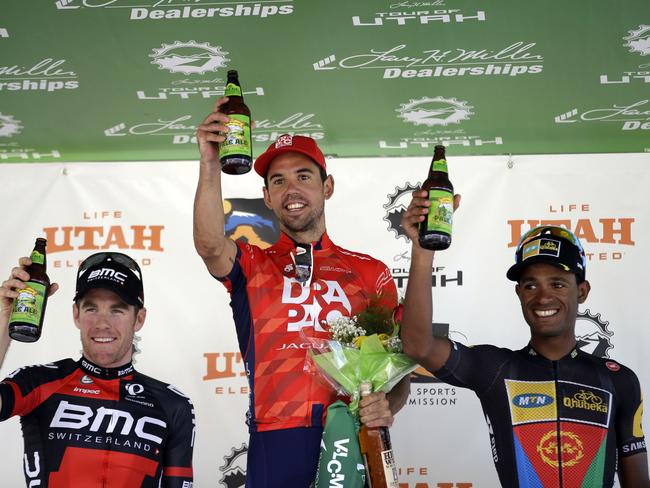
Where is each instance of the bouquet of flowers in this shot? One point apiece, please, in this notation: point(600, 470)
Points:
point(363, 348)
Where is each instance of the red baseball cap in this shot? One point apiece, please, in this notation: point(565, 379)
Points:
point(288, 143)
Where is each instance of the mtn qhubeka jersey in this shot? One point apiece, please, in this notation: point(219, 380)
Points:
point(270, 306)
point(589, 406)
point(85, 426)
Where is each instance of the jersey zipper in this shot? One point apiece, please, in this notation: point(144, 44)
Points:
point(557, 422)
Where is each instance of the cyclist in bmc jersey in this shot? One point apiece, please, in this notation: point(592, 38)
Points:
point(97, 422)
point(295, 284)
point(549, 393)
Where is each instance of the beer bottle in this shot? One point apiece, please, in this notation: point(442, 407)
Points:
point(28, 308)
point(377, 452)
point(236, 152)
point(435, 231)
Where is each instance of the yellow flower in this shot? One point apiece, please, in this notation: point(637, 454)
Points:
point(358, 340)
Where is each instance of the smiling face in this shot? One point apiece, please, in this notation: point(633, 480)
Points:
point(107, 325)
point(297, 195)
point(549, 298)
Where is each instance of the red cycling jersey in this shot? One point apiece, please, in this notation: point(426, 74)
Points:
point(270, 307)
point(89, 427)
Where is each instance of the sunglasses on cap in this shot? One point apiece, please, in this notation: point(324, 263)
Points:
point(551, 230)
point(118, 257)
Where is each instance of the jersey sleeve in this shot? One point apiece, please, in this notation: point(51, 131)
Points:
point(629, 429)
point(474, 367)
point(7, 397)
point(177, 458)
point(23, 390)
point(244, 259)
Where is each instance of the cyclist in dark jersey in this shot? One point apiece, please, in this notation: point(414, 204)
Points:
point(97, 422)
point(548, 394)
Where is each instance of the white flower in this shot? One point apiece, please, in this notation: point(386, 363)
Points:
point(394, 344)
point(345, 329)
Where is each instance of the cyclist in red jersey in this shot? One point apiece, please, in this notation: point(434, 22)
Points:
point(558, 416)
point(296, 284)
point(97, 422)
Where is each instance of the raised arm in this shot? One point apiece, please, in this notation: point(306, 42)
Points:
point(217, 251)
point(9, 291)
point(417, 337)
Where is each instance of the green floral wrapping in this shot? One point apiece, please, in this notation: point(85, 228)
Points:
point(346, 368)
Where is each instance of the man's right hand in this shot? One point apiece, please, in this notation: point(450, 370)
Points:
point(417, 212)
point(210, 133)
point(9, 291)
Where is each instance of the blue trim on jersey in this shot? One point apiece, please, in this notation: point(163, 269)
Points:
point(317, 410)
point(241, 312)
point(526, 473)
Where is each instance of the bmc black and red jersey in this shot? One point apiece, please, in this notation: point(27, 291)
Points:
point(588, 406)
point(91, 427)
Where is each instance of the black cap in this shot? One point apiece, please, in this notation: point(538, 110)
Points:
point(116, 272)
point(552, 245)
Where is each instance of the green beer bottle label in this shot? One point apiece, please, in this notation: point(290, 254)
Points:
point(439, 165)
point(238, 138)
point(441, 211)
point(28, 305)
point(233, 90)
point(37, 257)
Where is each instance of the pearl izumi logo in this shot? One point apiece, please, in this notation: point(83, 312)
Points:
point(134, 389)
point(9, 126)
point(435, 111)
point(47, 75)
point(233, 469)
point(401, 62)
point(593, 334)
point(189, 57)
point(200, 9)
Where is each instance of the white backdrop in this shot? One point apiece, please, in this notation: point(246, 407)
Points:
point(440, 438)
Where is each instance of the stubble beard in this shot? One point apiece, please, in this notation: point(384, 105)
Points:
point(310, 223)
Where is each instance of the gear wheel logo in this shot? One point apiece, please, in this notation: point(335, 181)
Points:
point(593, 334)
point(397, 204)
point(639, 40)
point(435, 111)
point(234, 468)
point(189, 57)
point(9, 126)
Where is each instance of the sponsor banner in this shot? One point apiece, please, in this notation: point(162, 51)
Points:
point(200, 9)
point(368, 79)
point(441, 437)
